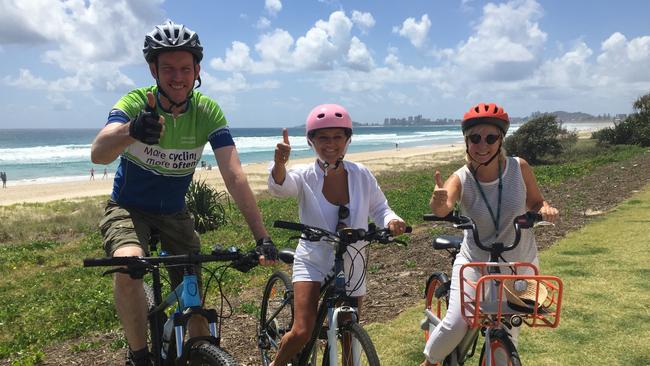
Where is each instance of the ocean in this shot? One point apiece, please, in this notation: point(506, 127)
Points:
point(55, 155)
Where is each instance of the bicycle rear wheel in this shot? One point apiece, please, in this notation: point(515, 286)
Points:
point(348, 333)
point(210, 355)
point(276, 315)
point(503, 350)
point(436, 303)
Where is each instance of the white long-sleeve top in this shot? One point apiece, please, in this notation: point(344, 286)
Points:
point(366, 198)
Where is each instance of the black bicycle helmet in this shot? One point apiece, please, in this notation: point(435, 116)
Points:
point(171, 37)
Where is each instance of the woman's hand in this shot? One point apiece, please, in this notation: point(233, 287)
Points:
point(283, 149)
point(397, 227)
point(549, 213)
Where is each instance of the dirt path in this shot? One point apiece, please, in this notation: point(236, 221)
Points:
point(398, 274)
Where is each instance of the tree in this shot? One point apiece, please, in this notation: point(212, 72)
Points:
point(634, 130)
point(540, 138)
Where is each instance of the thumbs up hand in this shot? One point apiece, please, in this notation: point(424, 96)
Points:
point(439, 197)
point(283, 149)
point(148, 126)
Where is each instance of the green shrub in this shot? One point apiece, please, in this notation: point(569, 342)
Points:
point(207, 206)
point(540, 138)
point(634, 130)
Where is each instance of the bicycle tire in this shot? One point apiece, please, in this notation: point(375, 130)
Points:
point(209, 354)
point(369, 354)
point(278, 295)
point(437, 305)
point(503, 350)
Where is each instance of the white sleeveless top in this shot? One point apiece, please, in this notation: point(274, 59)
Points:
point(513, 203)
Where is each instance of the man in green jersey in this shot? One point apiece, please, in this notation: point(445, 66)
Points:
point(159, 133)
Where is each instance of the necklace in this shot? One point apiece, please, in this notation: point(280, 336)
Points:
point(495, 219)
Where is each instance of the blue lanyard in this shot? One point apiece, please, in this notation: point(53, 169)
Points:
point(495, 220)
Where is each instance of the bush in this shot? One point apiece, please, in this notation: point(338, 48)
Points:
point(635, 130)
point(207, 206)
point(540, 138)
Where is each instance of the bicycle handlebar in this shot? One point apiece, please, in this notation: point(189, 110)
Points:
point(524, 221)
point(218, 254)
point(344, 236)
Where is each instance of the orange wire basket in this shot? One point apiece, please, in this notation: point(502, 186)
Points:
point(482, 310)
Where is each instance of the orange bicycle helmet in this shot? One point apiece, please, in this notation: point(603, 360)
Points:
point(483, 113)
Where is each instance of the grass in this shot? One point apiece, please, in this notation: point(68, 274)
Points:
point(605, 313)
point(48, 297)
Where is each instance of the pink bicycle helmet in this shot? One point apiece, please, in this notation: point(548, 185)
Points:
point(328, 116)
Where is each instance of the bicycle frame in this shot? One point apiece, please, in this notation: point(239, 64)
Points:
point(332, 292)
point(186, 296)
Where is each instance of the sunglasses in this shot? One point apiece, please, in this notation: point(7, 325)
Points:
point(344, 213)
point(475, 138)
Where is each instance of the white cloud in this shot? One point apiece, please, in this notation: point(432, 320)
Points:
point(237, 58)
point(507, 44)
point(236, 83)
point(364, 21)
point(323, 47)
point(263, 23)
point(273, 6)
point(359, 57)
point(625, 60)
point(415, 32)
point(90, 41)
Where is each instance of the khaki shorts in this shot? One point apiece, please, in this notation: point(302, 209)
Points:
point(132, 227)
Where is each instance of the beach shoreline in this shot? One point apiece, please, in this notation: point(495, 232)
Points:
point(257, 174)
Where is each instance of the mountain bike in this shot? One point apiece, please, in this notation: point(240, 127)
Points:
point(338, 338)
point(167, 332)
point(491, 305)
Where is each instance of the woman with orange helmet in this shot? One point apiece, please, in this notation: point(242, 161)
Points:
point(492, 189)
point(331, 192)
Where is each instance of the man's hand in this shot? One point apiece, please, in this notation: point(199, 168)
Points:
point(267, 251)
point(148, 126)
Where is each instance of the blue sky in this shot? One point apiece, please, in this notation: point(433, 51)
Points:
point(63, 64)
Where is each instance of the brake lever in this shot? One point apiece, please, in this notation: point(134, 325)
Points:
point(543, 223)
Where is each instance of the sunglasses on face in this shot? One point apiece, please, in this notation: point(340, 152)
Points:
point(344, 213)
point(475, 138)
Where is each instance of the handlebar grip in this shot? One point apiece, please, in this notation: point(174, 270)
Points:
point(451, 217)
point(408, 229)
point(289, 225)
point(107, 262)
point(528, 219)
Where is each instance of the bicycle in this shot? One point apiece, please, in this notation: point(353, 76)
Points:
point(490, 305)
point(167, 333)
point(276, 313)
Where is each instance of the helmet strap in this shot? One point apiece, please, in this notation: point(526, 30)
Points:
point(487, 162)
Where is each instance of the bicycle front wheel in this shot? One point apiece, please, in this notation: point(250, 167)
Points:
point(276, 315)
point(503, 350)
point(209, 355)
point(354, 349)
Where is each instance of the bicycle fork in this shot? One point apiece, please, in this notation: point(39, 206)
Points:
point(332, 336)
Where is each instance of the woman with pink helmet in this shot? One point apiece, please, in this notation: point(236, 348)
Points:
point(331, 192)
